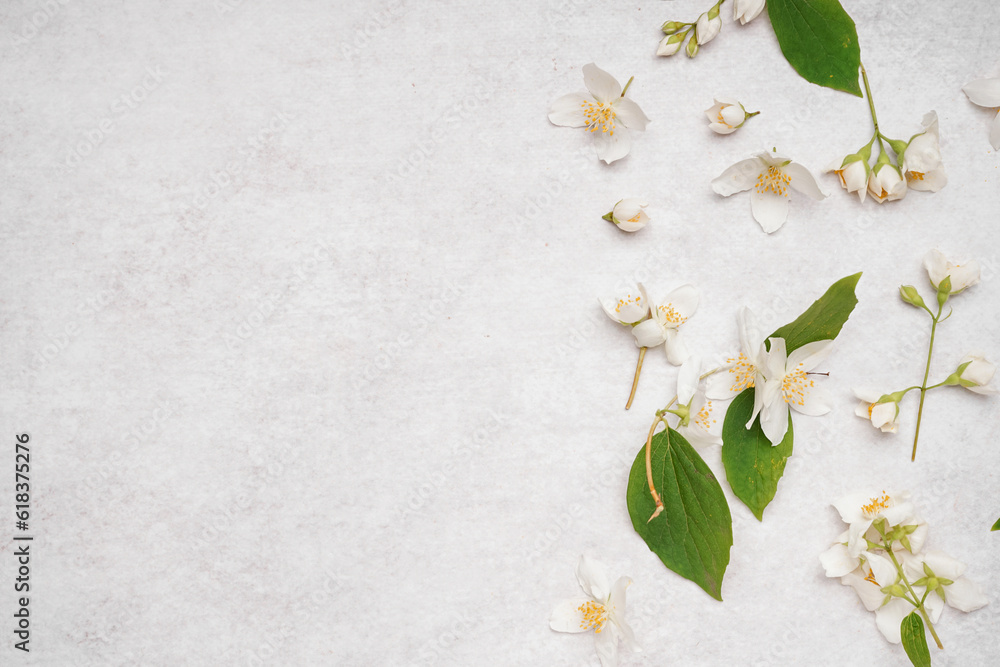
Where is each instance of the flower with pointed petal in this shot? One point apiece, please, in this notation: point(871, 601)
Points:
point(974, 373)
point(950, 585)
point(962, 275)
point(602, 610)
point(853, 172)
point(787, 385)
point(745, 370)
point(881, 413)
point(921, 160)
point(770, 176)
point(726, 116)
point(604, 110)
point(664, 325)
point(986, 93)
point(629, 309)
point(862, 510)
point(747, 10)
point(885, 183)
point(699, 426)
point(628, 215)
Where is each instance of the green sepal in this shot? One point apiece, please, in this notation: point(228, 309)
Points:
point(694, 533)
point(692, 46)
point(819, 40)
point(609, 216)
point(753, 465)
point(944, 290)
point(670, 27)
point(911, 632)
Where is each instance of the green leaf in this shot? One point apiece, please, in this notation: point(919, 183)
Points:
point(914, 640)
point(824, 319)
point(693, 534)
point(819, 40)
point(753, 465)
point(996, 526)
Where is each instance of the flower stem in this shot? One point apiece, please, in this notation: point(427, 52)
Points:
point(923, 385)
point(649, 467)
point(920, 607)
point(635, 380)
point(868, 94)
point(625, 89)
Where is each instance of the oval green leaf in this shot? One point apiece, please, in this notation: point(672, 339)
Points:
point(694, 533)
point(911, 630)
point(819, 39)
point(824, 319)
point(753, 465)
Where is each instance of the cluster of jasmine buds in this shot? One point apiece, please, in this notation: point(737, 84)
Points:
point(882, 557)
point(701, 32)
point(973, 372)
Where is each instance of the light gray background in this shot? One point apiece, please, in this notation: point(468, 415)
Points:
point(299, 311)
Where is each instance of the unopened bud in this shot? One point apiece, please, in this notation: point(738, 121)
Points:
point(670, 27)
point(910, 295)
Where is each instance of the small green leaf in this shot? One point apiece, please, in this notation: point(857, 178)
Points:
point(694, 533)
point(819, 40)
point(911, 631)
point(753, 465)
point(824, 319)
point(996, 526)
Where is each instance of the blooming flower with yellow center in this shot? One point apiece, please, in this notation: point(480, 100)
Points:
point(882, 414)
point(602, 610)
point(770, 177)
point(630, 308)
point(962, 275)
point(744, 371)
point(701, 426)
point(788, 385)
point(604, 111)
point(663, 327)
point(861, 510)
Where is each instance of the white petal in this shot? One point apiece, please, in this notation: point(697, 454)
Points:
point(802, 180)
point(995, 133)
point(567, 111)
point(889, 618)
point(629, 114)
point(677, 352)
point(965, 595)
point(815, 401)
point(613, 145)
point(837, 562)
point(918, 537)
point(769, 209)
point(719, 386)
point(721, 128)
point(593, 578)
point(884, 414)
point(616, 612)
point(601, 85)
point(649, 333)
point(606, 643)
point(984, 92)
point(687, 380)
point(751, 335)
point(809, 355)
point(733, 116)
point(774, 422)
point(684, 300)
point(943, 565)
point(737, 178)
point(627, 309)
point(850, 507)
point(871, 596)
point(567, 617)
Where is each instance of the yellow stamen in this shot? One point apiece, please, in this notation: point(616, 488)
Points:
point(773, 180)
point(671, 315)
point(599, 116)
point(743, 373)
point(594, 616)
point(795, 386)
point(871, 577)
point(876, 505)
point(628, 300)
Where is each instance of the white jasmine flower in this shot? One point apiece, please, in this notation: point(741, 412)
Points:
point(629, 309)
point(745, 370)
point(604, 110)
point(962, 275)
point(726, 116)
point(664, 325)
point(787, 385)
point(862, 510)
point(708, 26)
point(976, 374)
point(921, 161)
point(747, 10)
point(770, 176)
point(957, 591)
point(986, 93)
point(885, 183)
point(601, 610)
point(701, 426)
point(853, 175)
point(628, 215)
point(882, 415)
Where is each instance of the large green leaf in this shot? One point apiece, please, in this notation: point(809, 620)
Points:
point(824, 319)
point(693, 534)
point(911, 630)
point(819, 40)
point(753, 465)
